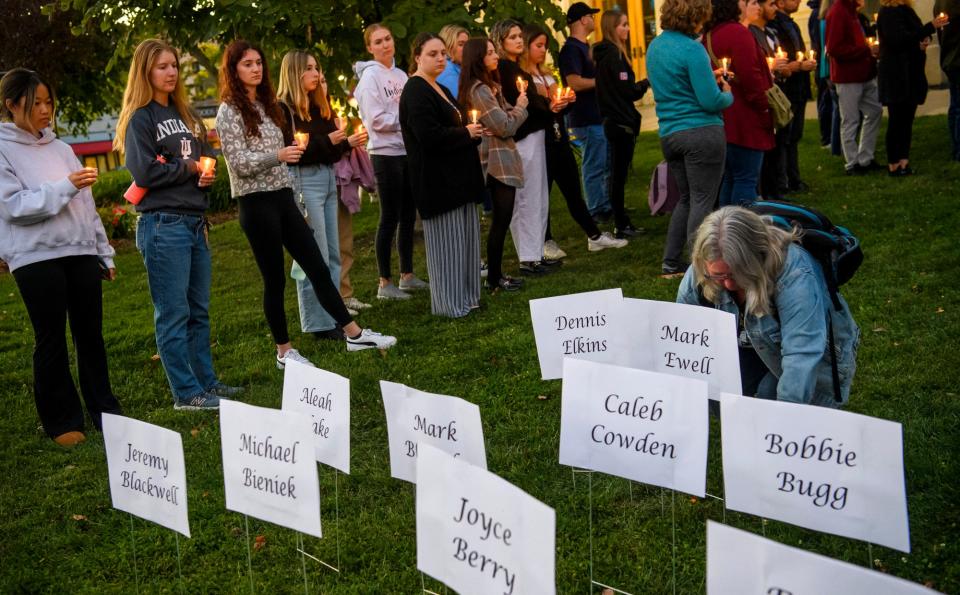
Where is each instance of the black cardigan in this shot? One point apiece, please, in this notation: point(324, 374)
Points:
point(900, 71)
point(443, 161)
point(539, 115)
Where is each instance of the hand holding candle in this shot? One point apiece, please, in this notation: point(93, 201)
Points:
point(521, 85)
point(770, 63)
point(302, 138)
point(811, 55)
point(474, 116)
point(207, 165)
point(724, 65)
point(941, 21)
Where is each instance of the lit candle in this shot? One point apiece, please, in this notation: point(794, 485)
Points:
point(876, 15)
point(724, 63)
point(568, 92)
point(781, 54)
point(521, 84)
point(302, 139)
point(560, 92)
point(207, 165)
point(341, 121)
point(872, 41)
point(812, 55)
point(359, 129)
point(770, 64)
point(474, 116)
point(942, 15)
point(799, 56)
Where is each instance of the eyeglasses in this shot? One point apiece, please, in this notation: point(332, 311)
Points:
point(720, 278)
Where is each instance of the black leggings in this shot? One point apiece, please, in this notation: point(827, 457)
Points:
point(272, 222)
point(620, 146)
point(396, 210)
point(562, 168)
point(899, 130)
point(502, 197)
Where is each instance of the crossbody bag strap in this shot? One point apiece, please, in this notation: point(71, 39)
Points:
point(713, 58)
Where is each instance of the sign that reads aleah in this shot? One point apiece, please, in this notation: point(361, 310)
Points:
point(820, 468)
point(269, 471)
point(325, 397)
point(147, 473)
point(480, 534)
point(776, 569)
point(582, 325)
point(641, 425)
point(683, 340)
point(415, 417)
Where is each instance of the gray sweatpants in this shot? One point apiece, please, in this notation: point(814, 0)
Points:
point(856, 99)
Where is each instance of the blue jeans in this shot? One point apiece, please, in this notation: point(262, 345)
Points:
point(953, 113)
point(318, 185)
point(175, 252)
point(741, 171)
point(595, 167)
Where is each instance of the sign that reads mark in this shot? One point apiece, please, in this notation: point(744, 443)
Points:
point(582, 325)
point(269, 471)
point(146, 470)
point(415, 417)
point(480, 534)
point(325, 397)
point(824, 469)
point(640, 425)
point(776, 569)
point(683, 340)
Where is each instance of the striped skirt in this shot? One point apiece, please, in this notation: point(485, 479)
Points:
point(453, 261)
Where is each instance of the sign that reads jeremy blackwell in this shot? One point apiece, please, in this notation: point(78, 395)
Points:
point(415, 417)
point(581, 325)
point(819, 468)
point(641, 425)
point(480, 534)
point(777, 569)
point(147, 474)
point(325, 397)
point(269, 471)
point(683, 340)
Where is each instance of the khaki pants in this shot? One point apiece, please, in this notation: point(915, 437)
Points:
point(345, 227)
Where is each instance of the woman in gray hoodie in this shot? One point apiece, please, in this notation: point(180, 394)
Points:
point(53, 241)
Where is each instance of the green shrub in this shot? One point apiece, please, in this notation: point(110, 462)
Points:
point(110, 187)
point(220, 199)
point(118, 221)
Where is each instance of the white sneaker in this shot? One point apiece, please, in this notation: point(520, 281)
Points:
point(353, 312)
point(292, 355)
point(355, 304)
point(605, 241)
point(483, 270)
point(369, 339)
point(551, 251)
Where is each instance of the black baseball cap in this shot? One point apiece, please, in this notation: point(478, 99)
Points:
point(578, 10)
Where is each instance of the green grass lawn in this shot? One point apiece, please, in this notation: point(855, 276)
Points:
point(59, 531)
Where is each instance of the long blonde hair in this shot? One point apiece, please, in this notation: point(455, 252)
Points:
point(139, 91)
point(608, 28)
point(290, 89)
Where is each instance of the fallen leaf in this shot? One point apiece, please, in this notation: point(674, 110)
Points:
point(939, 310)
point(206, 493)
point(259, 542)
point(879, 329)
point(155, 357)
point(70, 467)
point(78, 517)
point(693, 500)
point(195, 432)
point(542, 397)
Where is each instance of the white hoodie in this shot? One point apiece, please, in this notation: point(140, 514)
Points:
point(378, 96)
point(42, 214)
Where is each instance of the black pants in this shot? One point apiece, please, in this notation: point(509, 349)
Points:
point(562, 169)
point(272, 222)
point(503, 197)
point(396, 210)
point(899, 130)
point(620, 146)
point(52, 291)
point(788, 141)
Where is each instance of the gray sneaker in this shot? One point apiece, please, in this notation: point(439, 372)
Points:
point(206, 400)
point(355, 304)
point(391, 292)
point(413, 284)
point(292, 355)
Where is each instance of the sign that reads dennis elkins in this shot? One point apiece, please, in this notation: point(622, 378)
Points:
point(147, 473)
point(325, 397)
point(641, 425)
point(480, 534)
point(683, 340)
point(415, 418)
point(582, 325)
point(820, 468)
point(269, 471)
point(776, 569)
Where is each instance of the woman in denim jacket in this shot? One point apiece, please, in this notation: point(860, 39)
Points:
point(747, 266)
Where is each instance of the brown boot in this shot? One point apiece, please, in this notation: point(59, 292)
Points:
point(70, 439)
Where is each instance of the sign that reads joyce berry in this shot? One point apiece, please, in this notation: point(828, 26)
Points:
point(147, 474)
point(683, 340)
point(480, 534)
point(641, 425)
point(269, 471)
point(415, 417)
point(776, 569)
point(325, 397)
point(582, 325)
point(820, 468)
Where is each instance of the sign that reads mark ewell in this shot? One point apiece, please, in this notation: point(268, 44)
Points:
point(480, 534)
point(269, 471)
point(582, 325)
point(777, 569)
point(415, 417)
point(147, 473)
point(683, 340)
point(641, 425)
point(820, 468)
point(325, 397)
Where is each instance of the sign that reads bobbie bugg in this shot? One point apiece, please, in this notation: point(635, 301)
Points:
point(415, 417)
point(820, 468)
point(581, 325)
point(683, 340)
point(147, 474)
point(641, 425)
point(325, 397)
point(777, 569)
point(480, 534)
point(269, 471)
